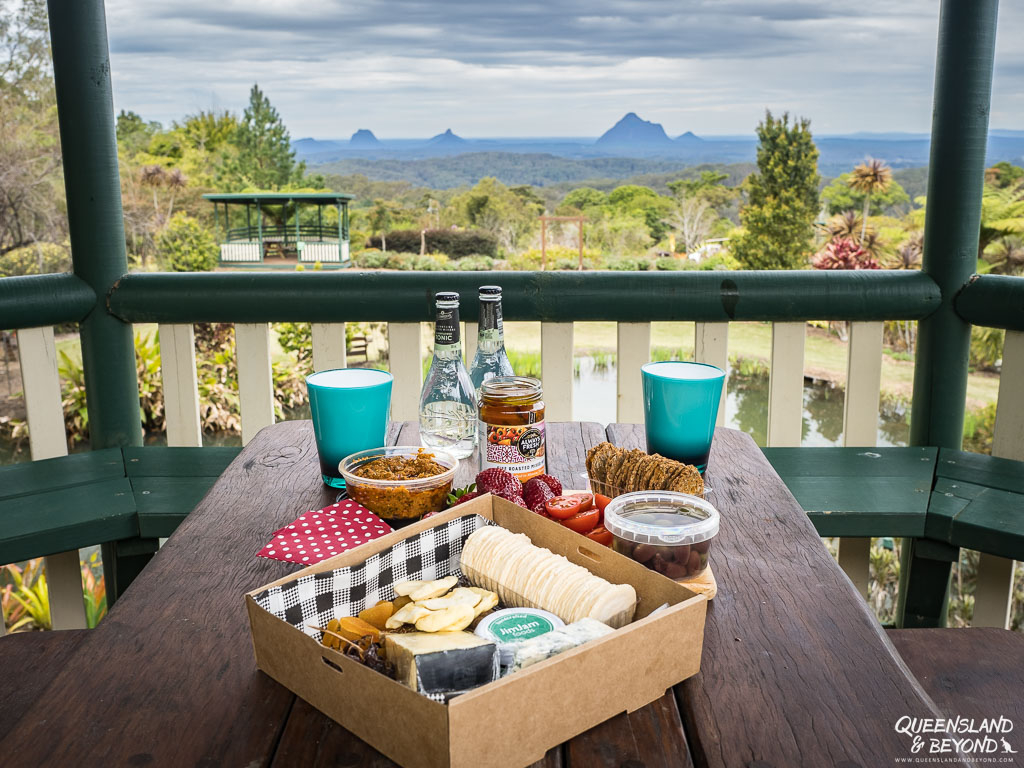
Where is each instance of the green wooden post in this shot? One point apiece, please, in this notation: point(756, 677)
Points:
point(956, 173)
point(259, 226)
point(216, 223)
point(85, 111)
point(341, 248)
point(298, 252)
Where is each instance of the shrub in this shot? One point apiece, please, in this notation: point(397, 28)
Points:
point(41, 258)
point(186, 246)
point(669, 263)
point(476, 263)
point(455, 243)
point(371, 259)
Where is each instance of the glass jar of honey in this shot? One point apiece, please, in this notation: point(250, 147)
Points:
point(512, 426)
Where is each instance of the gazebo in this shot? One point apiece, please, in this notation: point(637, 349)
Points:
point(279, 228)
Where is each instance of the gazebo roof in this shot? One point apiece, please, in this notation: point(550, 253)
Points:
point(315, 198)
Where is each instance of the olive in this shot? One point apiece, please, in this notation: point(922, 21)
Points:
point(694, 566)
point(676, 571)
point(659, 563)
point(643, 553)
point(681, 554)
point(703, 547)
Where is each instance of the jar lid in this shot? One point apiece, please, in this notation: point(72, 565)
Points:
point(661, 517)
point(511, 386)
point(507, 627)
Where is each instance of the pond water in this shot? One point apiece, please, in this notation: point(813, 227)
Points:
point(746, 407)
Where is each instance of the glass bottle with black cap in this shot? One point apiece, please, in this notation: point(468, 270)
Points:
point(491, 359)
point(448, 399)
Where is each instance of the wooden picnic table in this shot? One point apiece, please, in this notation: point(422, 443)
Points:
point(796, 671)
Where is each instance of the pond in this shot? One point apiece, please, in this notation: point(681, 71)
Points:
point(746, 407)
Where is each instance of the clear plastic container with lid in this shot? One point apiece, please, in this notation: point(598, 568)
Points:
point(668, 532)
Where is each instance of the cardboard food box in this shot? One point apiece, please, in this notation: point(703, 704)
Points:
point(516, 719)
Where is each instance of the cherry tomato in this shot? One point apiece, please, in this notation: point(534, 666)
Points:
point(582, 522)
point(601, 535)
point(601, 501)
point(563, 507)
point(588, 499)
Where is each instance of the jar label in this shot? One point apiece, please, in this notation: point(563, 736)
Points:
point(519, 449)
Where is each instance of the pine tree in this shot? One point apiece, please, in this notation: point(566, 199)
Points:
point(265, 158)
point(782, 198)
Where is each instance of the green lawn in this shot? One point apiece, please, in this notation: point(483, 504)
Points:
point(825, 356)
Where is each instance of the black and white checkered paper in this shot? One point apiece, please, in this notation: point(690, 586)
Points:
point(313, 600)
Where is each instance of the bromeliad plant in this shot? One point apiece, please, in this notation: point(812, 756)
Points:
point(25, 598)
point(25, 595)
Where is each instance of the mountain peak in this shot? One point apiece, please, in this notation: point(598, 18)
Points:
point(633, 130)
point(448, 137)
point(364, 138)
point(689, 138)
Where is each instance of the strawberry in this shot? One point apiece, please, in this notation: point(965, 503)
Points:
point(518, 500)
point(468, 497)
point(500, 482)
point(552, 483)
point(535, 493)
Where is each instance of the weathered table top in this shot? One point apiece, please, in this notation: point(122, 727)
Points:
point(795, 670)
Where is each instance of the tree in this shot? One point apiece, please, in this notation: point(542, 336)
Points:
point(654, 208)
point(782, 205)
point(186, 246)
point(692, 219)
point(382, 218)
point(1004, 174)
point(583, 198)
point(839, 197)
point(265, 157)
point(869, 178)
point(493, 207)
point(31, 186)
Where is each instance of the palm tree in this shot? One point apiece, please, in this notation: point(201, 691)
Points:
point(867, 178)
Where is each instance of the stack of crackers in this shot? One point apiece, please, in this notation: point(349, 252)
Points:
point(614, 471)
point(525, 575)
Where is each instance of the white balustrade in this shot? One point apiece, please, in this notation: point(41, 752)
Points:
point(994, 590)
point(181, 388)
point(556, 367)
point(329, 350)
point(786, 385)
point(711, 345)
point(255, 379)
point(47, 439)
point(404, 345)
point(633, 345)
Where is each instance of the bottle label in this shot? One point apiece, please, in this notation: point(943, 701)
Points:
point(520, 449)
point(491, 328)
point(446, 331)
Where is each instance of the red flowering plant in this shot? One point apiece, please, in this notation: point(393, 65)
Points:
point(843, 253)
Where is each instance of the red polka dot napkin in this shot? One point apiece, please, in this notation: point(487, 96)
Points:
point(324, 533)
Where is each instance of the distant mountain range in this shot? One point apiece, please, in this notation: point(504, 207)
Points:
point(630, 137)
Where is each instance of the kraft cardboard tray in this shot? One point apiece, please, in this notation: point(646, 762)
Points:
point(515, 720)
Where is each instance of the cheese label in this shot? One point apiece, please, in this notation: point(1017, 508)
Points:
point(514, 625)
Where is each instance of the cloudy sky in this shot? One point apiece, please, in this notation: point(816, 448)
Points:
point(405, 68)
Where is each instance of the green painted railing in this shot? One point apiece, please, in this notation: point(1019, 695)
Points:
point(545, 296)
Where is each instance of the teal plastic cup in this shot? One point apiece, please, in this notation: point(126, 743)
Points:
point(349, 407)
point(680, 409)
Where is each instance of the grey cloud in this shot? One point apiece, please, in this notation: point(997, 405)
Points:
point(559, 67)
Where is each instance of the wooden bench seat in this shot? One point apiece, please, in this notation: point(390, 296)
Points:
point(976, 672)
point(75, 501)
point(169, 482)
point(60, 504)
point(978, 503)
point(859, 491)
